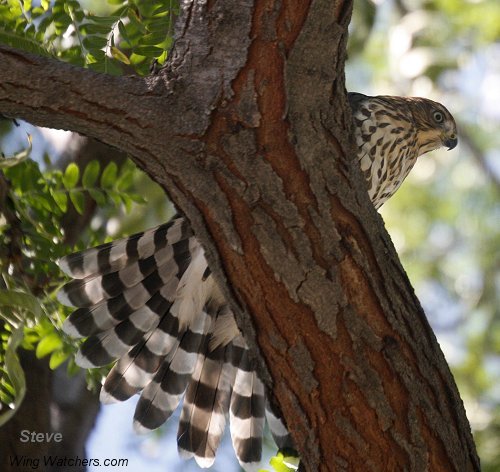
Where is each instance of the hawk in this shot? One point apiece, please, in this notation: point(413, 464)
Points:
point(151, 303)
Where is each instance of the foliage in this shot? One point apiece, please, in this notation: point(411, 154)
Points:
point(33, 204)
point(130, 36)
point(284, 463)
point(12, 382)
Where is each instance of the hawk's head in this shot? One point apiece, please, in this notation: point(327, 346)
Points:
point(435, 125)
point(391, 133)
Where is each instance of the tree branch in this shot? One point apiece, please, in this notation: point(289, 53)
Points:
point(50, 93)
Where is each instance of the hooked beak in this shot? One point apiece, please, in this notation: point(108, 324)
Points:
point(450, 142)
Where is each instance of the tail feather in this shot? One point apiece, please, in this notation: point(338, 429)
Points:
point(137, 368)
point(164, 392)
point(278, 429)
point(136, 281)
point(131, 373)
point(162, 395)
point(119, 324)
point(206, 402)
point(105, 346)
point(87, 321)
point(114, 256)
point(151, 302)
point(217, 422)
point(246, 414)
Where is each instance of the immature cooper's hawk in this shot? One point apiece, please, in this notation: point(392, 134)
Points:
point(151, 302)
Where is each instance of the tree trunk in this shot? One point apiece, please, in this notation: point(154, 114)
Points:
point(248, 129)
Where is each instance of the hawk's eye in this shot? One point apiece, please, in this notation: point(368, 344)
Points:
point(438, 117)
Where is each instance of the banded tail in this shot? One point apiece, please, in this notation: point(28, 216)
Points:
point(150, 303)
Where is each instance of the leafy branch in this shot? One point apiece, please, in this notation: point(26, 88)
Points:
point(32, 204)
point(133, 34)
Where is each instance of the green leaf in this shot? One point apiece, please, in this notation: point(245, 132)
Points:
point(136, 21)
point(94, 41)
point(94, 28)
point(108, 21)
point(90, 174)
point(136, 198)
point(21, 300)
point(113, 68)
point(57, 358)
point(160, 9)
point(48, 344)
point(108, 177)
point(15, 373)
point(71, 175)
point(78, 200)
point(136, 59)
point(282, 463)
point(79, 15)
point(158, 26)
point(125, 180)
point(115, 196)
point(61, 23)
point(15, 8)
point(122, 30)
point(96, 56)
point(153, 38)
point(127, 201)
point(96, 65)
point(61, 199)
point(44, 202)
point(19, 41)
point(98, 196)
point(119, 56)
point(148, 51)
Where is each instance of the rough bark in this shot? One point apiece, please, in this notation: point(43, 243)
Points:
point(248, 130)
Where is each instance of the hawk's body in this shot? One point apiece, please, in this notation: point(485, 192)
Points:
point(151, 302)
